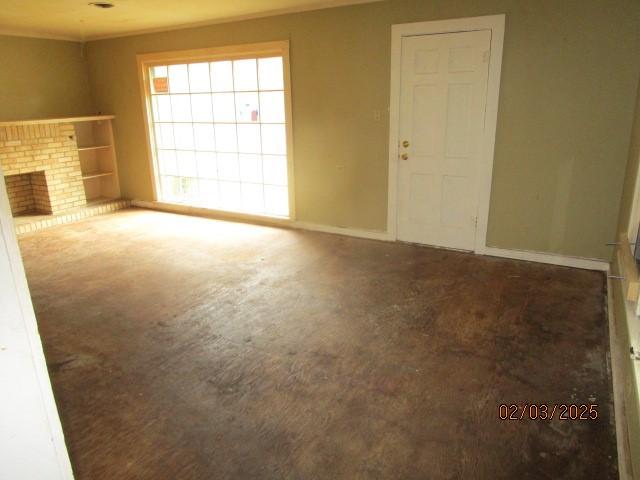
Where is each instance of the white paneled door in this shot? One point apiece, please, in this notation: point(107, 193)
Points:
point(442, 109)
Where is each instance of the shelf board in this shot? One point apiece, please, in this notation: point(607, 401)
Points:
point(88, 175)
point(96, 147)
point(93, 118)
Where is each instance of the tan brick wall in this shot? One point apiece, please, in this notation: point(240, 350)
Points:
point(20, 194)
point(40, 192)
point(28, 193)
point(48, 148)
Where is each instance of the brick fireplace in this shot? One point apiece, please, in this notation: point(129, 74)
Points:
point(42, 168)
point(28, 193)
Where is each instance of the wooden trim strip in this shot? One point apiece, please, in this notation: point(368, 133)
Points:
point(630, 282)
point(40, 121)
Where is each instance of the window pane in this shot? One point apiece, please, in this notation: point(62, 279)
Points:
point(207, 165)
point(270, 71)
point(170, 188)
point(178, 79)
point(208, 193)
point(183, 133)
point(230, 197)
point(272, 107)
point(224, 109)
point(164, 135)
point(247, 107)
point(204, 137)
point(275, 169)
point(189, 188)
point(220, 136)
point(251, 168)
point(186, 163)
point(159, 80)
point(162, 108)
point(221, 77)
point(181, 108)
point(199, 77)
point(159, 71)
point(274, 139)
point(248, 138)
point(226, 140)
point(276, 200)
point(201, 108)
point(167, 162)
point(228, 168)
point(252, 197)
point(245, 75)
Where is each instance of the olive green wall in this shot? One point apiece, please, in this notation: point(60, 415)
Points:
point(563, 127)
point(42, 78)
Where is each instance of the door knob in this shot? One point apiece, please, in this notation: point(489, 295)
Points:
point(405, 144)
point(404, 156)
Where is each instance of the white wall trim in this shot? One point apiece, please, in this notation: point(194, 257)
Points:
point(211, 213)
point(320, 5)
point(540, 257)
point(634, 216)
point(494, 23)
point(34, 32)
point(617, 356)
point(34, 356)
point(349, 232)
point(549, 258)
point(269, 221)
point(27, 33)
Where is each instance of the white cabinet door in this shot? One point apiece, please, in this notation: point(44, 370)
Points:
point(442, 109)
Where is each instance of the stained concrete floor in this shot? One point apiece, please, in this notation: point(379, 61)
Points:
point(188, 348)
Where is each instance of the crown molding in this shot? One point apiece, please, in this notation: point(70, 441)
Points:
point(321, 5)
point(16, 32)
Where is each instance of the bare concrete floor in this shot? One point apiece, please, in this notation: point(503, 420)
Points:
point(187, 348)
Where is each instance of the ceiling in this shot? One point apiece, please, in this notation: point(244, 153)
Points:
point(77, 20)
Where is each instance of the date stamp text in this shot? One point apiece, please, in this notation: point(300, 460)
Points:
point(544, 411)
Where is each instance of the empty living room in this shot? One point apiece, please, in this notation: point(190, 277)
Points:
point(320, 239)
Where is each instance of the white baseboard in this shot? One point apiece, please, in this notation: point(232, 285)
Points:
point(209, 213)
point(350, 232)
point(243, 217)
point(549, 258)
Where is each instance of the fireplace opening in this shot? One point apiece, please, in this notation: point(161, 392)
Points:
point(28, 194)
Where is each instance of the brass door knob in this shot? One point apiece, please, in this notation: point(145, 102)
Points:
point(405, 144)
point(404, 156)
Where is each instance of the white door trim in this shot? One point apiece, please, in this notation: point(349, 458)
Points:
point(495, 23)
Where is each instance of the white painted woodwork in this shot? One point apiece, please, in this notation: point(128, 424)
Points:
point(31, 440)
point(96, 149)
point(41, 121)
point(442, 110)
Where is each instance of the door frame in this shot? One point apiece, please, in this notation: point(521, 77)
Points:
point(494, 23)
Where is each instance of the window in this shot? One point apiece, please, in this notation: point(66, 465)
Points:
point(219, 130)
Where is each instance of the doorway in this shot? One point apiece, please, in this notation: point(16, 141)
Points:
point(444, 95)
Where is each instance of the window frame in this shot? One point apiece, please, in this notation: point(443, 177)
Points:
point(230, 52)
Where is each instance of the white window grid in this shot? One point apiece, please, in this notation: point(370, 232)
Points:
point(191, 189)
